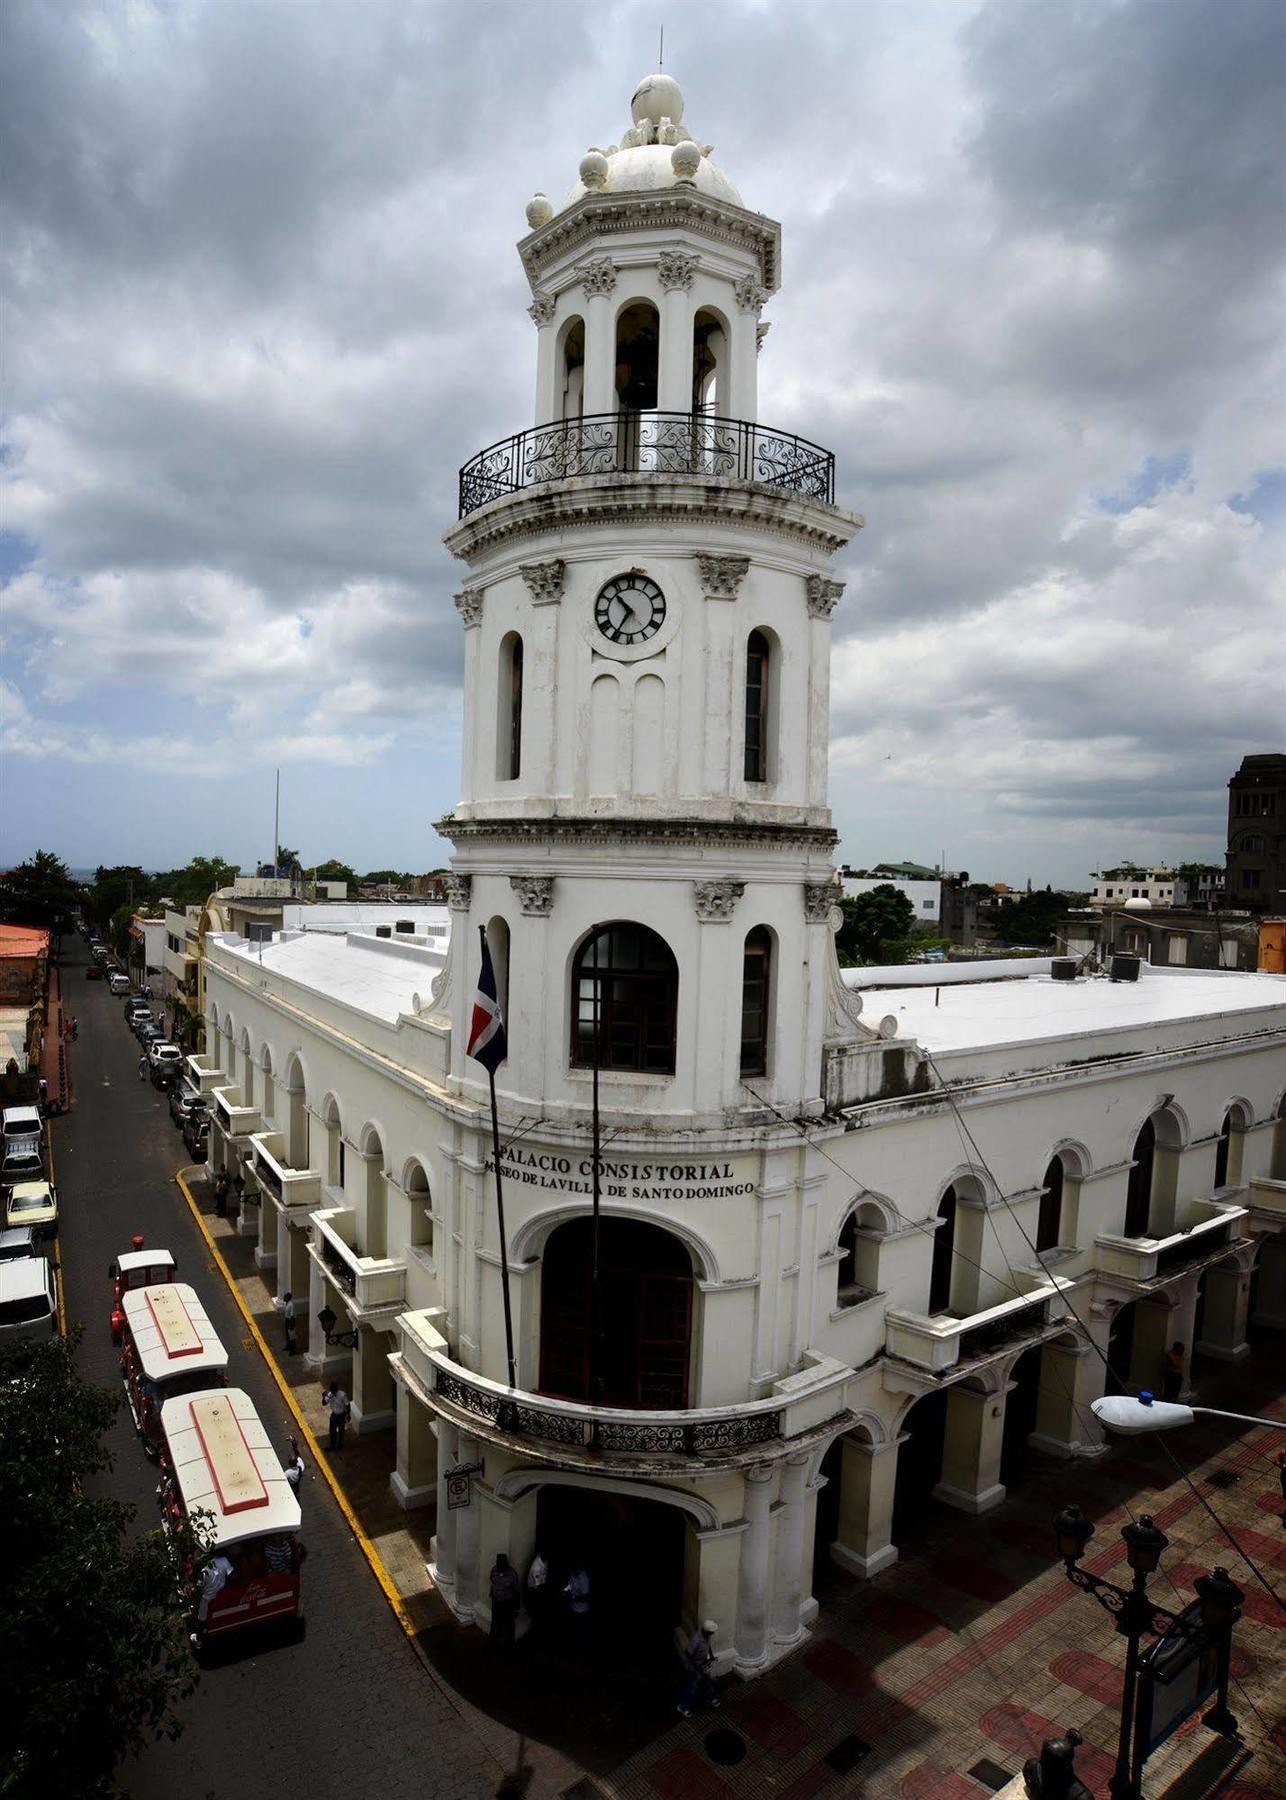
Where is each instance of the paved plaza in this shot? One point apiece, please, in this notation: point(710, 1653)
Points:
point(960, 1658)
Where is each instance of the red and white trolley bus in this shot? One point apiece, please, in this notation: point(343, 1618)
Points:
point(138, 1268)
point(217, 1458)
point(168, 1347)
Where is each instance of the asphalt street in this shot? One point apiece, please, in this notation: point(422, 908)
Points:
point(349, 1709)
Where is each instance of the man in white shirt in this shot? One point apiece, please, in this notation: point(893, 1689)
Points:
point(538, 1594)
point(215, 1576)
point(288, 1320)
point(295, 1470)
point(698, 1660)
point(335, 1400)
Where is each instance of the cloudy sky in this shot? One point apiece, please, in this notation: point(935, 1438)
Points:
point(262, 300)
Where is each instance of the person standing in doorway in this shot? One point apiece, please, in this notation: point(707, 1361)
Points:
point(335, 1400)
point(505, 1595)
point(1172, 1377)
point(288, 1320)
point(576, 1593)
point(537, 1594)
point(698, 1684)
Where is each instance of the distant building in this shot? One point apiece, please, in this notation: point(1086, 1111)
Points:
point(149, 935)
point(925, 895)
point(1129, 882)
point(1169, 936)
point(1199, 887)
point(182, 952)
point(1256, 876)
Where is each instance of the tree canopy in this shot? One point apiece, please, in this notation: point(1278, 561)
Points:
point(876, 926)
point(40, 892)
point(94, 1653)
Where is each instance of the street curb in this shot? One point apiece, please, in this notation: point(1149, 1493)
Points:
point(58, 1241)
point(354, 1524)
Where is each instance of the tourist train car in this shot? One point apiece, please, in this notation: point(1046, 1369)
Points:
point(169, 1347)
point(216, 1459)
point(138, 1268)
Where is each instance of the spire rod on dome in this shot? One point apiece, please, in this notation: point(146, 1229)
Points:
point(660, 55)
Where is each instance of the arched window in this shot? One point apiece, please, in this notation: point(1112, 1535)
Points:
point(1049, 1220)
point(756, 970)
point(625, 992)
point(943, 1254)
point(1138, 1194)
point(638, 344)
point(573, 370)
point(858, 1270)
point(644, 1315)
point(509, 710)
point(709, 362)
point(757, 696)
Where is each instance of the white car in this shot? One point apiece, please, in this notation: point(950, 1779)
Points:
point(118, 984)
point(28, 1303)
point(23, 1128)
point(164, 1060)
point(34, 1204)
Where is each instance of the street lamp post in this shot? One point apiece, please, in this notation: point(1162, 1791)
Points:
point(347, 1340)
point(1130, 1414)
point(1135, 1613)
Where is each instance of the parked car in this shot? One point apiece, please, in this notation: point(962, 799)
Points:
point(16, 1243)
point(26, 1163)
point(28, 1304)
point(166, 1062)
point(184, 1099)
point(33, 1203)
point(22, 1127)
point(196, 1134)
point(118, 983)
point(136, 1009)
point(93, 972)
point(146, 1030)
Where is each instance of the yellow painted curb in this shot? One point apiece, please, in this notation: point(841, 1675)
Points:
point(368, 1549)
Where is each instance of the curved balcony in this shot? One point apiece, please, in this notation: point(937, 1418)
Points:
point(801, 1407)
point(647, 443)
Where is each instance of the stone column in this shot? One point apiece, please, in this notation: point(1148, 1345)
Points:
point(971, 1449)
point(299, 1264)
point(468, 1532)
point(542, 311)
point(676, 271)
point(1183, 1323)
point(752, 1574)
point(743, 350)
point(414, 1480)
point(1071, 1377)
point(1223, 1322)
point(442, 1544)
point(266, 1233)
point(1270, 1287)
point(788, 1572)
point(868, 1477)
point(372, 1394)
point(285, 1274)
point(598, 278)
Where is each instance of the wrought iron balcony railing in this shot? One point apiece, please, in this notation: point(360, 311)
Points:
point(647, 443)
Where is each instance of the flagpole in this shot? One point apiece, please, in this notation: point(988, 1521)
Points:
point(500, 1212)
point(595, 1295)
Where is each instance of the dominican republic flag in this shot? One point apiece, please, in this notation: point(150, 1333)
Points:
point(487, 1032)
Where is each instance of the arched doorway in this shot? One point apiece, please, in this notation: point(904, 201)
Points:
point(1020, 1417)
point(919, 1466)
point(633, 1551)
point(644, 1314)
point(1120, 1350)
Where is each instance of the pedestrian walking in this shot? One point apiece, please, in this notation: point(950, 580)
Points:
point(698, 1660)
point(336, 1402)
point(1172, 1378)
point(538, 1594)
point(576, 1593)
point(288, 1320)
point(295, 1470)
point(505, 1595)
point(142, 1066)
point(238, 1188)
point(75, 1028)
point(221, 1185)
point(44, 1093)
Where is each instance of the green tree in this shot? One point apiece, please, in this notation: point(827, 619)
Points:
point(94, 1653)
point(193, 884)
point(1033, 920)
point(125, 884)
point(876, 926)
point(334, 870)
point(40, 892)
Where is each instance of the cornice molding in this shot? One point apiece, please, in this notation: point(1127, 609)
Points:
point(557, 506)
point(599, 215)
point(728, 833)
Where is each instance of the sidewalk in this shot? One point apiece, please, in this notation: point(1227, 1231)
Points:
point(932, 1682)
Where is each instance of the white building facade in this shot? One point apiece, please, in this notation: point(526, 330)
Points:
point(813, 1306)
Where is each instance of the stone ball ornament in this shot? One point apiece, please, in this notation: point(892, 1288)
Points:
point(593, 169)
point(657, 97)
point(685, 160)
point(539, 211)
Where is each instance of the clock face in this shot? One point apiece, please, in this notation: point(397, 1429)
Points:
point(630, 610)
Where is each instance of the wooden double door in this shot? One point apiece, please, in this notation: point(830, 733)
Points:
point(645, 1313)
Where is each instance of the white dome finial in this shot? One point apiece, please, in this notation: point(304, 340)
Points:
point(657, 97)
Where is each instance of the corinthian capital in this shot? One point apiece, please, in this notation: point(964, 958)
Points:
point(535, 893)
point(544, 580)
point(468, 603)
point(715, 900)
point(722, 576)
point(542, 309)
point(597, 277)
point(823, 595)
point(749, 294)
point(676, 268)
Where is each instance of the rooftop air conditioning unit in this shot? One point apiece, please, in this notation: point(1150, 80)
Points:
point(383, 931)
point(405, 925)
point(1063, 968)
point(1125, 968)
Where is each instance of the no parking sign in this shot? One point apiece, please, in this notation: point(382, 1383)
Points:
point(460, 1483)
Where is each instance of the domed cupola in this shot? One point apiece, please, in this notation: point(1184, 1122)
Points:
point(657, 152)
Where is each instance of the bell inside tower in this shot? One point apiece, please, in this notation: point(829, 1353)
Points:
point(709, 362)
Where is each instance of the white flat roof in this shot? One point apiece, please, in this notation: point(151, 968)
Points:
point(172, 1332)
point(981, 1014)
point(144, 1259)
point(237, 1456)
point(377, 976)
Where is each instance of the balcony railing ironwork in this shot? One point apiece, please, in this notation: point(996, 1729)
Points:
point(344, 1272)
point(589, 1431)
point(647, 443)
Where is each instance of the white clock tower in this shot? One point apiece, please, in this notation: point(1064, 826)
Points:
point(643, 831)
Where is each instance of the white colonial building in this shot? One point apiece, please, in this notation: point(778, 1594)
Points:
point(858, 1247)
